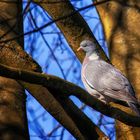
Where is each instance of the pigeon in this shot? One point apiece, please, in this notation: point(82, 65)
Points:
point(103, 81)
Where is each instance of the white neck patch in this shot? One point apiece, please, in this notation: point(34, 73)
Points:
point(93, 56)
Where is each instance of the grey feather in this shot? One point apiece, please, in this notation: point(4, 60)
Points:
point(108, 80)
point(103, 80)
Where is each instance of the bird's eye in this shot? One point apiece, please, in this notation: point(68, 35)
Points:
point(84, 45)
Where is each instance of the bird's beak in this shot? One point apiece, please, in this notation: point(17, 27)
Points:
point(79, 49)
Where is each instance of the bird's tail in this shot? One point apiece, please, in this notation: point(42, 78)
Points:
point(135, 108)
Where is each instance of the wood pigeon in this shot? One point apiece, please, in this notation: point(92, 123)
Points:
point(103, 80)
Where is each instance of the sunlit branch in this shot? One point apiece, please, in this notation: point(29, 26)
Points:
point(70, 89)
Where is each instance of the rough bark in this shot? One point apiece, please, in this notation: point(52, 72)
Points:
point(62, 95)
point(13, 121)
point(73, 26)
point(120, 19)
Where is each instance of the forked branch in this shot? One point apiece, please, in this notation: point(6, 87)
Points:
point(54, 83)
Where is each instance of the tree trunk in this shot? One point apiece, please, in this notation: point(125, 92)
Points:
point(121, 24)
point(13, 121)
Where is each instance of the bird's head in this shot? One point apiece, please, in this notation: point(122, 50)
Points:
point(88, 47)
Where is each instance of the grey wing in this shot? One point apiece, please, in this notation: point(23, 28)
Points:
point(109, 81)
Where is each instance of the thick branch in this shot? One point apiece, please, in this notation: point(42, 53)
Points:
point(71, 23)
point(48, 101)
point(12, 54)
point(70, 89)
point(17, 58)
point(121, 28)
point(79, 117)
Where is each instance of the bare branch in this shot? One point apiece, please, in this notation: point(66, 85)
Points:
point(73, 26)
point(18, 58)
point(70, 89)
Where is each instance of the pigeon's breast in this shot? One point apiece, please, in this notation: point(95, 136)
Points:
point(84, 78)
point(94, 72)
point(90, 87)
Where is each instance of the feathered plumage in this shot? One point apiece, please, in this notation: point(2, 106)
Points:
point(103, 80)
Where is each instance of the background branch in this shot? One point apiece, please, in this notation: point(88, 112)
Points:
point(71, 24)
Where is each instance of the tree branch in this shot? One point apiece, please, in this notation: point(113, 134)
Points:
point(79, 117)
point(48, 101)
point(12, 54)
point(71, 23)
point(16, 57)
point(57, 84)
